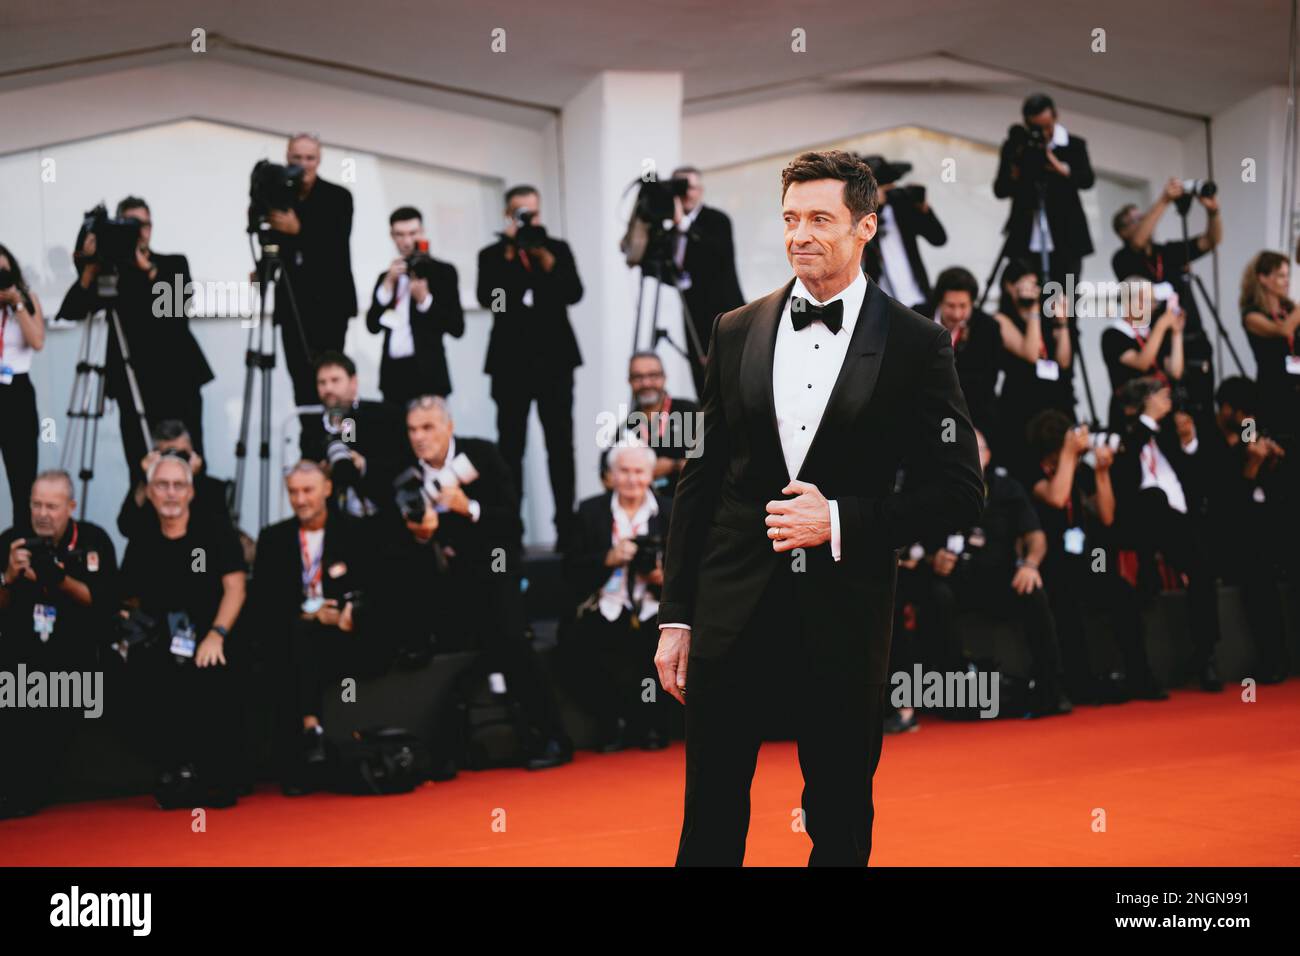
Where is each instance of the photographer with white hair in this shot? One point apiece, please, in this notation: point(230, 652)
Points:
point(615, 571)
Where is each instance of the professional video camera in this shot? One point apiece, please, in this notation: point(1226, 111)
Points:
point(414, 493)
point(116, 240)
point(1029, 145)
point(272, 187)
point(527, 235)
point(649, 552)
point(419, 264)
point(646, 239)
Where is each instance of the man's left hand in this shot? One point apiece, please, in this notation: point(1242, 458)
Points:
point(285, 221)
point(211, 651)
point(800, 522)
point(544, 257)
point(1026, 580)
point(455, 499)
point(1186, 427)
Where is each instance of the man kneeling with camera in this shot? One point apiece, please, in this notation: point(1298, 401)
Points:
point(615, 569)
point(183, 579)
point(309, 579)
point(58, 591)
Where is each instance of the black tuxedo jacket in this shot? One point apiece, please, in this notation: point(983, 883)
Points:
point(445, 317)
point(537, 340)
point(911, 223)
point(165, 355)
point(378, 435)
point(318, 262)
point(584, 561)
point(711, 262)
point(1065, 218)
point(1193, 471)
point(896, 401)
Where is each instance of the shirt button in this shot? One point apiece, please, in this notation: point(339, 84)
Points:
point(803, 428)
point(810, 384)
point(816, 346)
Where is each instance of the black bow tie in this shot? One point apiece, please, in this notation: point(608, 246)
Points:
point(831, 314)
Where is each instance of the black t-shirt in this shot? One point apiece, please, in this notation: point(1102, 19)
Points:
point(87, 554)
point(988, 547)
point(182, 574)
point(1058, 522)
point(1024, 393)
point(1166, 263)
point(673, 433)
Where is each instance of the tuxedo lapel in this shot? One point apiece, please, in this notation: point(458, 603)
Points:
point(758, 397)
point(857, 379)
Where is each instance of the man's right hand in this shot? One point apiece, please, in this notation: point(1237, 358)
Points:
point(1158, 404)
point(20, 562)
point(398, 268)
point(670, 660)
point(424, 529)
point(944, 562)
point(621, 553)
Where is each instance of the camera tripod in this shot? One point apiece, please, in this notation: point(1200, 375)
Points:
point(86, 402)
point(1184, 204)
point(259, 361)
point(662, 271)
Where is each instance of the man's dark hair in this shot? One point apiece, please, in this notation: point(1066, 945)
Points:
point(403, 213)
point(1239, 392)
point(1046, 432)
point(129, 203)
point(1035, 103)
point(860, 193)
point(645, 354)
point(522, 189)
point(169, 429)
point(956, 279)
point(326, 359)
point(681, 172)
point(1117, 223)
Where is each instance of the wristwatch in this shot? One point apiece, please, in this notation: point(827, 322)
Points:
point(220, 630)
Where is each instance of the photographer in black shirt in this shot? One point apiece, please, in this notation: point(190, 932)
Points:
point(184, 580)
point(56, 601)
point(171, 438)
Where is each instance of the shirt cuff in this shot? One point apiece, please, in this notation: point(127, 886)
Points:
point(684, 627)
point(1191, 446)
point(428, 301)
point(835, 529)
point(475, 509)
point(1149, 422)
point(383, 296)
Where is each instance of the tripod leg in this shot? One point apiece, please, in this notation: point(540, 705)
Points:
point(127, 367)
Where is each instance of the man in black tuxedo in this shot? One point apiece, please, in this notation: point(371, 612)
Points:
point(317, 259)
point(1041, 160)
point(705, 256)
point(781, 555)
point(456, 566)
point(169, 365)
point(528, 280)
point(361, 441)
point(892, 257)
point(414, 306)
point(312, 579)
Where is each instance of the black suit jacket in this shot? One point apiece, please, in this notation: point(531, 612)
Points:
point(318, 262)
point(711, 262)
point(378, 435)
point(911, 223)
point(165, 355)
point(530, 340)
point(895, 401)
point(445, 317)
point(1193, 470)
point(585, 571)
point(1070, 236)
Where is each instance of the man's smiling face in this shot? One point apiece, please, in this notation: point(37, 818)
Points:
point(821, 239)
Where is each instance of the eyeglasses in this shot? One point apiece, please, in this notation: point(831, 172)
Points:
point(646, 377)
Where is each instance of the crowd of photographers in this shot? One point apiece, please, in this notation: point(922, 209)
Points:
point(406, 538)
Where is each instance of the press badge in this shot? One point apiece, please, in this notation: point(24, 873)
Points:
point(1293, 364)
point(956, 544)
point(6, 374)
point(43, 616)
point(92, 561)
point(528, 298)
point(313, 604)
point(182, 632)
point(1074, 540)
point(1048, 370)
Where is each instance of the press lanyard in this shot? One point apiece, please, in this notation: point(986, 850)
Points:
point(311, 567)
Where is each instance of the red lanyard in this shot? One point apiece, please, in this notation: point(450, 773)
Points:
point(1278, 317)
point(956, 334)
point(1069, 510)
point(1151, 447)
point(4, 322)
point(663, 421)
point(1159, 270)
point(523, 258)
point(311, 568)
point(613, 528)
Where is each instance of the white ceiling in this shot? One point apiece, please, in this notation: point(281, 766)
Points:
point(1193, 57)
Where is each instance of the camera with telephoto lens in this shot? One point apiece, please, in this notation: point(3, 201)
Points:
point(419, 264)
point(649, 552)
point(414, 493)
point(116, 240)
point(338, 457)
point(527, 235)
point(6, 280)
point(272, 187)
point(1029, 146)
point(47, 561)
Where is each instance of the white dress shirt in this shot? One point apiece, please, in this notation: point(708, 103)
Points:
point(896, 276)
point(1157, 472)
point(614, 595)
point(15, 353)
point(1040, 234)
point(429, 472)
point(401, 343)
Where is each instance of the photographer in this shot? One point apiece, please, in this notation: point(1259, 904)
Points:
point(59, 589)
point(456, 563)
point(1271, 320)
point(184, 579)
point(415, 303)
point(615, 571)
point(528, 280)
point(310, 578)
point(705, 256)
point(1134, 346)
point(361, 441)
point(993, 567)
point(976, 343)
point(168, 364)
point(1167, 265)
point(171, 438)
point(22, 332)
point(1043, 167)
point(893, 258)
point(1076, 506)
point(1160, 484)
point(317, 259)
point(673, 422)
